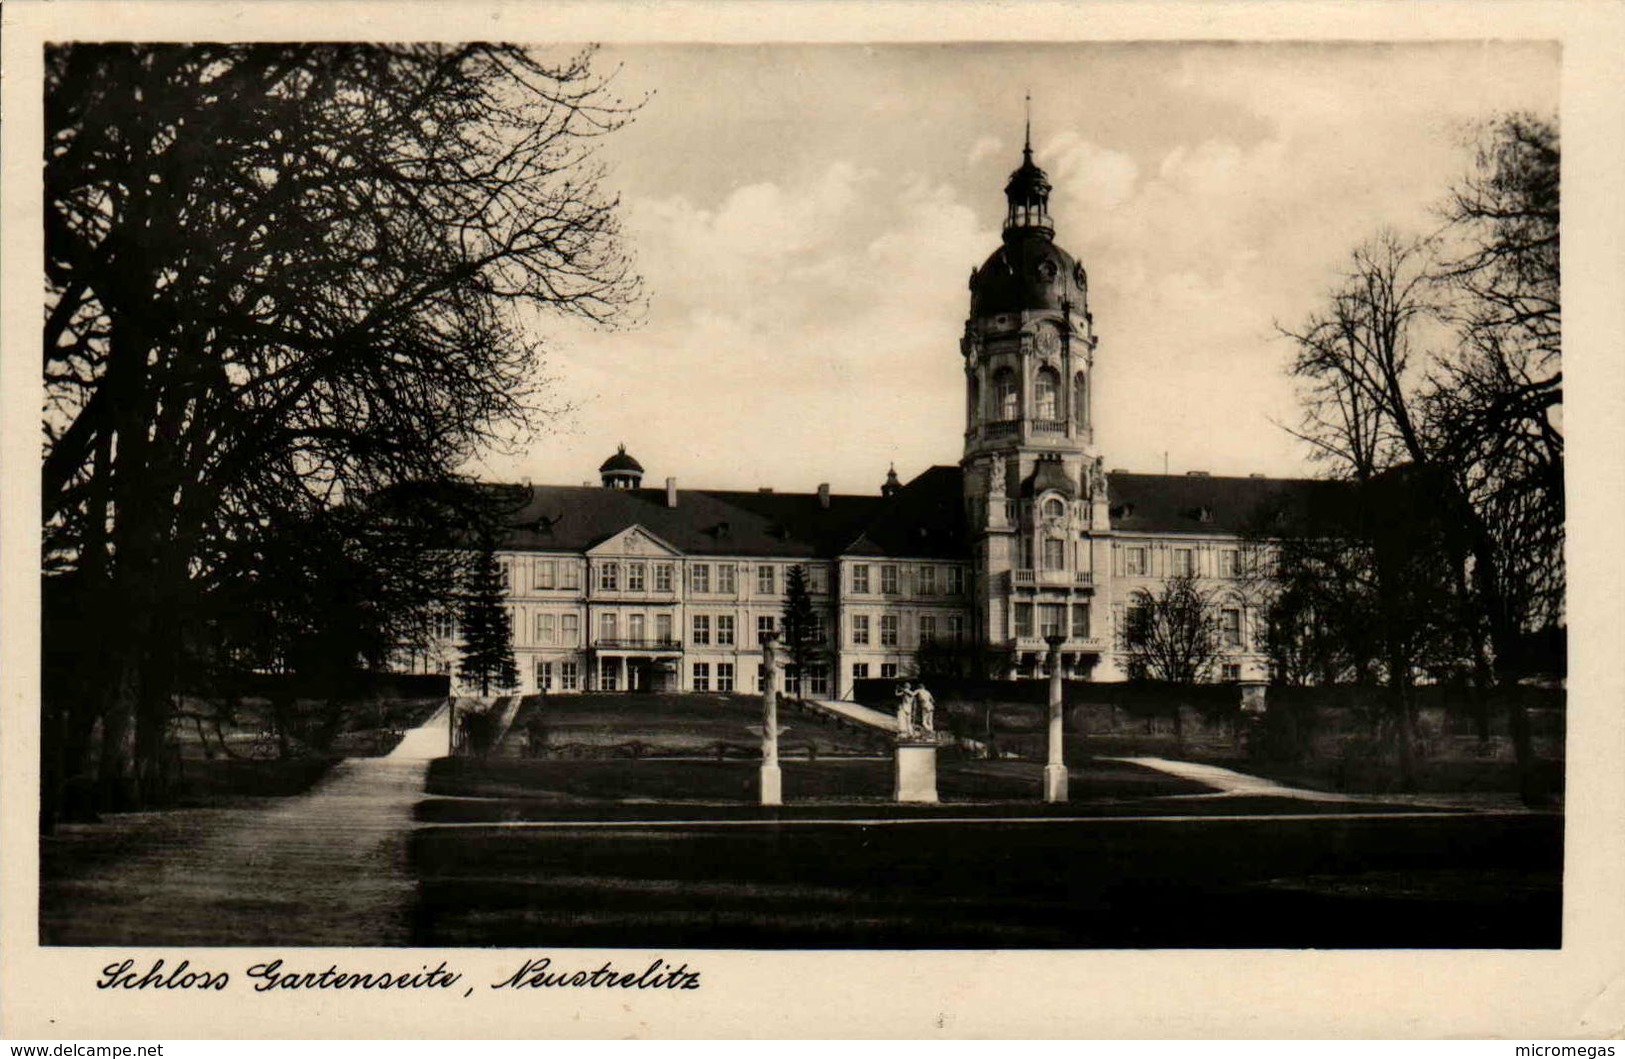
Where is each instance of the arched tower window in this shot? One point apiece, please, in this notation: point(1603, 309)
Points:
point(1005, 393)
point(973, 401)
point(1080, 400)
point(1048, 393)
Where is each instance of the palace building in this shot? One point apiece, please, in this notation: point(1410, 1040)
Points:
point(624, 587)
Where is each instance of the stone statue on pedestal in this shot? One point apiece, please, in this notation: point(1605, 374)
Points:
point(1097, 479)
point(905, 710)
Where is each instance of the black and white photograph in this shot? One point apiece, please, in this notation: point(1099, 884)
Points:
point(547, 492)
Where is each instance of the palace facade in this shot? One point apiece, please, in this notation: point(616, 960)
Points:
point(622, 587)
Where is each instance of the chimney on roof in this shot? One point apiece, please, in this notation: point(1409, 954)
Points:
point(671, 492)
point(823, 494)
point(1196, 474)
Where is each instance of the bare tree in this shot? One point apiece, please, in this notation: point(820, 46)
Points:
point(1443, 358)
point(281, 277)
point(1173, 635)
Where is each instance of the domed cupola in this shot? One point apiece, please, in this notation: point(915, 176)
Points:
point(1028, 272)
point(621, 471)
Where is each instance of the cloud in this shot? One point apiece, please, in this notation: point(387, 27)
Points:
point(986, 147)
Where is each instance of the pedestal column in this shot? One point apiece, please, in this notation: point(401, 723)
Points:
point(1055, 770)
point(772, 784)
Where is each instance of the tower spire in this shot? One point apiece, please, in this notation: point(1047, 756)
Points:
point(1027, 146)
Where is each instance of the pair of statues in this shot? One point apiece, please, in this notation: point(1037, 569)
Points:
point(916, 710)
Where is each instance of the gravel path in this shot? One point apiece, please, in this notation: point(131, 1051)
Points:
point(1229, 781)
point(324, 868)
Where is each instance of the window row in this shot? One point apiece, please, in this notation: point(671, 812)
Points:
point(1052, 620)
point(1136, 561)
point(888, 631)
point(569, 674)
point(1046, 397)
point(1137, 618)
point(928, 580)
point(888, 671)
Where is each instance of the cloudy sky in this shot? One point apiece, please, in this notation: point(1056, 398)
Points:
point(806, 218)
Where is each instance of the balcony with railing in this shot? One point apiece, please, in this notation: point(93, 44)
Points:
point(1049, 426)
point(1072, 644)
point(637, 643)
point(1051, 579)
point(1003, 428)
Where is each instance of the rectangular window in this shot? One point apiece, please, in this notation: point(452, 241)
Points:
point(888, 671)
point(544, 629)
point(635, 627)
point(608, 627)
point(702, 676)
point(569, 676)
point(1136, 619)
point(888, 579)
point(956, 628)
point(1080, 621)
point(766, 581)
point(609, 670)
point(1024, 619)
point(860, 670)
point(1054, 553)
point(569, 575)
point(928, 628)
point(956, 581)
point(1231, 671)
point(817, 579)
point(726, 574)
point(725, 630)
point(1051, 620)
point(764, 627)
point(928, 580)
point(725, 676)
point(702, 630)
point(1184, 562)
point(1230, 627)
point(699, 577)
point(860, 578)
point(542, 573)
point(818, 681)
point(609, 577)
point(444, 627)
point(663, 628)
point(662, 577)
point(761, 677)
point(820, 629)
point(1229, 563)
point(634, 577)
point(570, 630)
point(860, 629)
point(544, 676)
point(888, 630)
point(1135, 562)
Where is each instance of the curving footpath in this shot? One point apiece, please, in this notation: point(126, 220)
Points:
point(324, 868)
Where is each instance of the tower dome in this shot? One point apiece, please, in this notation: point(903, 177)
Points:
point(1029, 271)
point(621, 471)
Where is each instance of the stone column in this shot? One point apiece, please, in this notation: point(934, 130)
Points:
point(772, 785)
point(1055, 770)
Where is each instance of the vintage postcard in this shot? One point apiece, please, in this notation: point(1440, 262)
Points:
point(772, 520)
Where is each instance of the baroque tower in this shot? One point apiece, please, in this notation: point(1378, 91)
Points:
point(1035, 495)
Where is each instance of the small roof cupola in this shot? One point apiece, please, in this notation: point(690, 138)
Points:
point(1027, 192)
point(621, 471)
point(891, 486)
